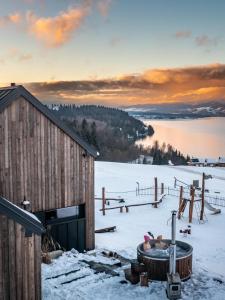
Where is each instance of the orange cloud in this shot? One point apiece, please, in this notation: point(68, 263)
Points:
point(183, 34)
point(56, 31)
point(192, 84)
point(13, 18)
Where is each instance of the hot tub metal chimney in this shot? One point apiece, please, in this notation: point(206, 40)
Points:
point(173, 289)
point(173, 244)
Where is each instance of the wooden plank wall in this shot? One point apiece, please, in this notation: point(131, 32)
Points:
point(40, 162)
point(20, 263)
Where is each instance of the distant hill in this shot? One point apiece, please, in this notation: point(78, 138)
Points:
point(178, 110)
point(111, 131)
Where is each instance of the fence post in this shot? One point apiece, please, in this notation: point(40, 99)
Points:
point(156, 192)
point(162, 188)
point(191, 204)
point(180, 202)
point(203, 197)
point(137, 188)
point(103, 201)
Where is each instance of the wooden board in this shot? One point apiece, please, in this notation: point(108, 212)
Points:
point(107, 229)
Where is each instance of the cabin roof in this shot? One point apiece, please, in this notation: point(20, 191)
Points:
point(9, 94)
point(21, 216)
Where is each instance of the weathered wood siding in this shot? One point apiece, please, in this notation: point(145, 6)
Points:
point(40, 162)
point(20, 263)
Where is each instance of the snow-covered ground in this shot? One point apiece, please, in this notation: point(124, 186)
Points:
point(120, 180)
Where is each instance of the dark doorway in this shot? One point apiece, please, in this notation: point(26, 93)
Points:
point(66, 226)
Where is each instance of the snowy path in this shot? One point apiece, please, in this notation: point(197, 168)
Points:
point(84, 284)
point(69, 278)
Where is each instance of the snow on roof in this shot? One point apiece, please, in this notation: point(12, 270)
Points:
point(21, 216)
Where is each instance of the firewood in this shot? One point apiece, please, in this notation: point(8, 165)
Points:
point(137, 267)
point(144, 279)
point(131, 276)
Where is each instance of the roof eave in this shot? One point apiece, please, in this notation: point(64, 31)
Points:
point(18, 215)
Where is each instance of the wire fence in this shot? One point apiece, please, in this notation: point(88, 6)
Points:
point(173, 191)
point(218, 201)
point(214, 200)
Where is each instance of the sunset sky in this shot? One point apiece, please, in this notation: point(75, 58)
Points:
point(114, 52)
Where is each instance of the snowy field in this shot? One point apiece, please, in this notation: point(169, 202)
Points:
point(119, 180)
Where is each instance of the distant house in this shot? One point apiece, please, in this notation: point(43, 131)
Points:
point(194, 162)
point(140, 159)
point(148, 160)
point(221, 162)
point(46, 168)
point(207, 162)
point(144, 159)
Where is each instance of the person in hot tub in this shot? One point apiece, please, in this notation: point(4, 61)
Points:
point(159, 244)
point(146, 244)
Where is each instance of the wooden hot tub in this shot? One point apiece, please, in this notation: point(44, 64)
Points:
point(157, 266)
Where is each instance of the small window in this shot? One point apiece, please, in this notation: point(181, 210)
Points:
point(68, 212)
point(73, 211)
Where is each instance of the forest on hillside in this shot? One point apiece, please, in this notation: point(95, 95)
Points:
point(113, 133)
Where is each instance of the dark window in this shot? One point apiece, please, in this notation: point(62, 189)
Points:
point(50, 215)
point(71, 212)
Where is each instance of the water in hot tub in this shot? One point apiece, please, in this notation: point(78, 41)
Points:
point(164, 253)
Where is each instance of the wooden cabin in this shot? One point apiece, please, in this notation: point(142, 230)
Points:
point(47, 167)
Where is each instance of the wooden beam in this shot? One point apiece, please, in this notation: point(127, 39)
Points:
point(191, 204)
point(156, 192)
point(103, 201)
point(180, 201)
point(162, 188)
point(107, 229)
point(203, 197)
point(110, 208)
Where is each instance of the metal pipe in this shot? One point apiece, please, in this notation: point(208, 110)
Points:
point(173, 233)
point(173, 244)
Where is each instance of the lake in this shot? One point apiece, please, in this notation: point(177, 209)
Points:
point(196, 137)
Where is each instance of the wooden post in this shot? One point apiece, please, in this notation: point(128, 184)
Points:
point(156, 192)
point(203, 197)
point(180, 201)
point(162, 188)
point(103, 201)
point(144, 279)
point(121, 209)
point(137, 188)
point(127, 209)
point(191, 204)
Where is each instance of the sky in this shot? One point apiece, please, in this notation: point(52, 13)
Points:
point(114, 52)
